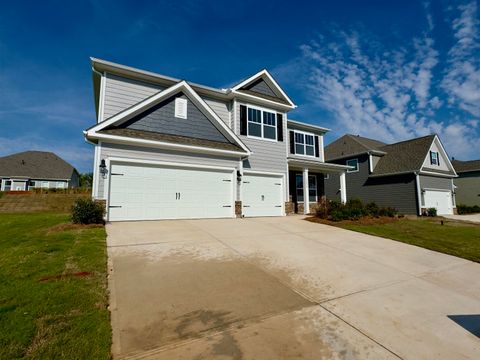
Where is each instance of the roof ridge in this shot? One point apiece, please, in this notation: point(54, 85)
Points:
point(413, 139)
point(359, 142)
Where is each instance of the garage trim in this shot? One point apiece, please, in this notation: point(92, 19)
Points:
point(111, 160)
point(273, 174)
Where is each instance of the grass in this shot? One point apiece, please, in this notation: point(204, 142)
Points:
point(453, 238)
point(45, 311)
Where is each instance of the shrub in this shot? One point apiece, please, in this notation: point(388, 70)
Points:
point(352, 210)
point(372, 209)
point(464, 209)
point(432, 212)
point(87, 211)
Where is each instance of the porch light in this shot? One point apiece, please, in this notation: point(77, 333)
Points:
point(103, 168)
point(239, 176)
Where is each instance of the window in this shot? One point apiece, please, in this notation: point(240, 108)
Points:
point(262, 124)
point(31, 184)
point(434, 159)
point(60, 185)
point(304, 144)
point(180, 108)
point(8, 185)
point(312, 188)
point(354, 163)
point(44, 184)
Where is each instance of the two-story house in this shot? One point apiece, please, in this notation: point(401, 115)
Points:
point(410, 176)
point(170, 149)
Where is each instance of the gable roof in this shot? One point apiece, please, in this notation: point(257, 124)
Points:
point(404, 156)
point(349, 145)
point(466, 166)
point(95, 132)
point(36, 165)
point(243, 87)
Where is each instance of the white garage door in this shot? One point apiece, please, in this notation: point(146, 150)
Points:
point(441, 200)
point(139, 192)
point(262, 195)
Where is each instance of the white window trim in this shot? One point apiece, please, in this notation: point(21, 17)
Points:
point(261, 123)
point(316, 187)
point(350, 170)
point(304, 143)
point(437, 155)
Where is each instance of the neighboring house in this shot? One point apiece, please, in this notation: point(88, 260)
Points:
point(410, 176)
point(467, 184)
point(36, 169)
point(169, 149)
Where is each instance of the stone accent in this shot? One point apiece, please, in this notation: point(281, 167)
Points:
point(313, 208)
point(289, 208)
point(238, 209)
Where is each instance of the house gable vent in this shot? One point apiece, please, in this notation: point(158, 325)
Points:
point(181, 108)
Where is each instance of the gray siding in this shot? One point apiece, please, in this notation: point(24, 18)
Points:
point(161, 118)
point(261, 87)
point(434, 182)
point(468, 188)
point(398, 192)
point(222, 109)
point(121, 93)
point(269, 156)
point(375, 160)
point(143, 153)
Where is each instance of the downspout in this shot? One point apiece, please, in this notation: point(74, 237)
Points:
point(419, 193)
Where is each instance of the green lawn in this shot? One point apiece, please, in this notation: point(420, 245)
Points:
point(454, 238)
point(46, 312)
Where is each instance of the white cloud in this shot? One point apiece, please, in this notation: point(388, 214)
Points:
point(392, 94)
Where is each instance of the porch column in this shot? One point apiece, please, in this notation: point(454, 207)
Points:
point(343, 188)
point(306, 198)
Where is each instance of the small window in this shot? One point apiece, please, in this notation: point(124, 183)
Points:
point(8, 185)
point(269, 125)
point(60, 185)
point(304, 144)
point(181, 108)
point(45, 184)
point(354, 163)
point(299, 144)
point(434, 158)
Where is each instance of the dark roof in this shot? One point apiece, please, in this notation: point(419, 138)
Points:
point(404, 156)
point(36, 165)
point(175, 139)
point(351, 145)
point(466, 166)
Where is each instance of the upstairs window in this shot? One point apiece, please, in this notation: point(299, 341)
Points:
point(262, 124)
point(354, 163)
point(434, 158)
point(304, 144)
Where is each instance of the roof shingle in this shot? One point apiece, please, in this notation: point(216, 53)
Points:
point(466, 166)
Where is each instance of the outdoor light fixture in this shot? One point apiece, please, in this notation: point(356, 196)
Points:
point(103, 168)
point(239, 176)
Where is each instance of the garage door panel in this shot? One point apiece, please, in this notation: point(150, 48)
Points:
point(150, 192)
point(440, 200)
point(262, 195)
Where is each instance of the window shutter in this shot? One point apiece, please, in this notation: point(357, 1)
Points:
point(431, 157)
point(292, 142)
point(243, 120)
point(279, 127)
point(317, 152)
point(438, 159)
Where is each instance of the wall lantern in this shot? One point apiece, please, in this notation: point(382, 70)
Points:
point(103, 168)
point(239, 176)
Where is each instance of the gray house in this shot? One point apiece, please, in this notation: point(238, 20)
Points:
point(468, 182)
point(170, 149)
point(410, 176)
point(36, 169)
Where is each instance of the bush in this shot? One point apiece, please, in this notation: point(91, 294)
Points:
point(352, 210)
point(432, 212)
point(464, 209)
point(87, 211)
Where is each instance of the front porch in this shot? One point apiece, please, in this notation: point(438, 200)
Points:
point(306, 189)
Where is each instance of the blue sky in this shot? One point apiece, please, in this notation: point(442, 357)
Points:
point(391, 70)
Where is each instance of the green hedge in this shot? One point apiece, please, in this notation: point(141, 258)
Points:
point(464, 209)
point(353, 209)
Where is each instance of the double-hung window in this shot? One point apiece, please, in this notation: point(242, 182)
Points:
point(262, 124)
point(312, 188)
point(7, 185)
point(304, 144)
point(354, 163)
point(434, 160)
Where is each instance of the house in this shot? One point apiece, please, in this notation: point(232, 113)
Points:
point(170, 149)
point(410, 176)
point(36, 169)
point(467, 184)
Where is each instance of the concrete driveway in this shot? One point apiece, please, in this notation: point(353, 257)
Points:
point(285, 288)
point(470, 217)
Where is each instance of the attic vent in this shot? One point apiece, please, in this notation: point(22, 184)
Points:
point(181, 108)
